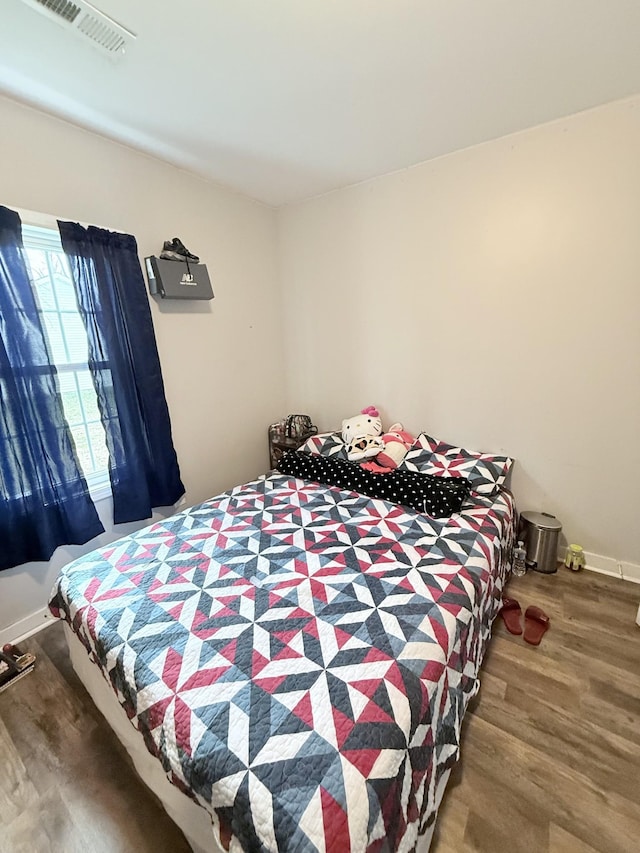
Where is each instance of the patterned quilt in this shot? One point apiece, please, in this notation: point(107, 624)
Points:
point(298, 657)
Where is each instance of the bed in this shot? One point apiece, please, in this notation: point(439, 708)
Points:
point(289, 663)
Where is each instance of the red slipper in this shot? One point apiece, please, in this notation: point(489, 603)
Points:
point(536, 623)
point(511, 613)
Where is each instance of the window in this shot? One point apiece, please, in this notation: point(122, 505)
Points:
point(68, 348)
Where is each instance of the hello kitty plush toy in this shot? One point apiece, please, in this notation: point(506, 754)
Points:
point(361, 434)
point(396, 444)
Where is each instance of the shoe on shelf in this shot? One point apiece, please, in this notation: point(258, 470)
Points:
point(175, 250)
point(181, 249)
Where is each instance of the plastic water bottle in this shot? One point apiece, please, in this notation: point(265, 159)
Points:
point(519, 565)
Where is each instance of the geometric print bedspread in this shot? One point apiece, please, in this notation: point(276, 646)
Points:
point(298, 657)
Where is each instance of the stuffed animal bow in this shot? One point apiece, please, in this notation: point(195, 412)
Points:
point(361, 434)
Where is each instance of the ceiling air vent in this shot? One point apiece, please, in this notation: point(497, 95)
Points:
point(89, 23)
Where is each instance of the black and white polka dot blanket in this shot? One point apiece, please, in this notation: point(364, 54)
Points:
point(435, 496)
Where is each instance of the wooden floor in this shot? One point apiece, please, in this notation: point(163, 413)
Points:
point(550, 752)
point(551, 746)
point(66, 783)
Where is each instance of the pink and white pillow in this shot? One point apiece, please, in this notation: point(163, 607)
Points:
point(486, 472)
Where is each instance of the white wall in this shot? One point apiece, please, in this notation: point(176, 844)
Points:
point(222, 360)
point(492, 298)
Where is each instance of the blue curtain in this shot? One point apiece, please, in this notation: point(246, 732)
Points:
point(123, 358)
point(45, 500)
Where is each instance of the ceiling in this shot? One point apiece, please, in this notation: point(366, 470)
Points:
point(285, 99)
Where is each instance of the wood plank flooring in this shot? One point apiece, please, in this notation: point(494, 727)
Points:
point(550, 751)
point(66, 783)
point(551, 745)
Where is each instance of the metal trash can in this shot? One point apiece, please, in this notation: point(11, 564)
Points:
point(540, 531)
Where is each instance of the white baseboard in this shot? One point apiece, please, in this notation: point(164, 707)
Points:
point(25, 627)
point(612, 567)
